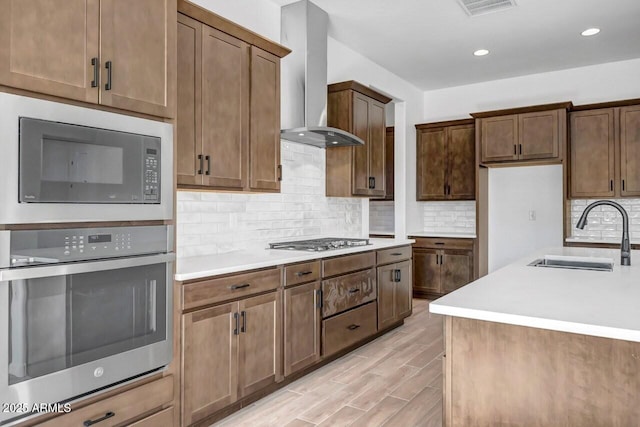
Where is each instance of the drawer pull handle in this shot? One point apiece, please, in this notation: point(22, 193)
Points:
point(96, 71)
point(353, 327)
point(319, 298)
point(397, 275)
point(234, 287)
point(354, 290)
point(303, 273)
point(108, 415)
point(109, 66)
point(243, 314)
point(236, 329)
point(396, 254)
point(439, 243)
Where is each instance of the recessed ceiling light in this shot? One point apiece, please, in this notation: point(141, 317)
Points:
point(301, 134)
point(590, 32)
point(334, 142)
point(481, 52)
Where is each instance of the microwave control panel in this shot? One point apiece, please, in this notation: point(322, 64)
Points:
point(151, 173)
point(29, 247)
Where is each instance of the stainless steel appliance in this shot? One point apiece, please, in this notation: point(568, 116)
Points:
point(61, 161)
point(84, 309)
point(319, 245)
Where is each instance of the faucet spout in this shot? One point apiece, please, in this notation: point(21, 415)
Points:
point(625, 246)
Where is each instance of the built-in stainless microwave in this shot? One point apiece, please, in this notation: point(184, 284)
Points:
point(65, 163)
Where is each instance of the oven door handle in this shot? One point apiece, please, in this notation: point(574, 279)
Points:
point(26, 273)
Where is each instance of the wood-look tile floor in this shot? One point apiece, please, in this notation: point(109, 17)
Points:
point(395, 380)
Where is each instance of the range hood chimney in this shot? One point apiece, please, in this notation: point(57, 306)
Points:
point(304, 78)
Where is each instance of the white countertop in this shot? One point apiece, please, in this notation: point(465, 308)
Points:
point(599, 303)
point(605, 241)
point(443, 234)
point(233, 262)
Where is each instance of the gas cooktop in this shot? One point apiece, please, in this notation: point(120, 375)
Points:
point(319, 245)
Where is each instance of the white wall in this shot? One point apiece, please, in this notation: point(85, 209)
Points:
point(347, 64)
point(513, 194)
point(598, 83)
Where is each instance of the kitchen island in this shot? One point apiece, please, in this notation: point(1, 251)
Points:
point(532, 346)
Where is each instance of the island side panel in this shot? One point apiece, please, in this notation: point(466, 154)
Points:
point(499, 374)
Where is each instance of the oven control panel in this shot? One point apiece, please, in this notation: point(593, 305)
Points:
point(29, 247)
point(151, 173)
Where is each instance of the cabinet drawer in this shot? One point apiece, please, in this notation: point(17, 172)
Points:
point(442, 243)
point(301, 273)
point(125, 406)
point(388, 256)
point(161, 419)
point(348, 328)
point(347, 264)
point(225, 288)
point(344, 292)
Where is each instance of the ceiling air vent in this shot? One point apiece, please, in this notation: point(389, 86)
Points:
point(480, 7)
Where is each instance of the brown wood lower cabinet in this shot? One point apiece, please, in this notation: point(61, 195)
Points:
point(441, 265)
point(394, 293)
point(343, 330)
point(302, 326)
point(229, 351)
point(126, 407)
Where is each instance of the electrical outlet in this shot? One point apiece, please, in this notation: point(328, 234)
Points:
point(532, 215)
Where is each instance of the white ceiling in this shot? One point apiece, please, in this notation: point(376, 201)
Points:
point(430, 43)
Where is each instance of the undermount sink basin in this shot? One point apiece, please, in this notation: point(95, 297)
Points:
point(574, 263)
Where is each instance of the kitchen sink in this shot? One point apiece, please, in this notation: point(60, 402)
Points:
point(574, 263)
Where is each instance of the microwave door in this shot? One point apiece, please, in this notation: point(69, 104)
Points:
point(62, 163)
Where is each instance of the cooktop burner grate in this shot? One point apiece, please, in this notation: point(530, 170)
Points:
point(319, 245)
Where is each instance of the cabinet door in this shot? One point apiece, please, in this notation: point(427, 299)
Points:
point(426, 270)
point(47, 46)
point(225, 110)
point(387, 312)
point(360, 171)
point(499, 138)
point(377, 149)
point(189, 115)
point(461, 158)
point(389, 162)
point(264, 157)
point(210, 357)
point(260, 356)
point(592, 153)
point(630, 151)
point(457, 269)
point(431, 164)
point(138, 38)
point(302, 317)
point(538, 135)
point(403, 294)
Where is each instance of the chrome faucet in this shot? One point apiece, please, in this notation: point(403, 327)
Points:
point(625, 248)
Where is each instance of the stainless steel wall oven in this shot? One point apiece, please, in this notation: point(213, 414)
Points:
point(84, 308)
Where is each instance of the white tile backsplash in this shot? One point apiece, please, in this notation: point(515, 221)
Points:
point(604, 222)
point(381, 216)
point(209, 223)
point(449, 217)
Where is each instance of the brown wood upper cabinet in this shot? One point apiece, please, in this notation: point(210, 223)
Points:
point(228, 121)
point(446, 160)
point(111, 52)
point(389, 169)
point(357, 171)
point(536, 133)
point(605, 158)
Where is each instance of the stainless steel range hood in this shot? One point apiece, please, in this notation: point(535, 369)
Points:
point(304, 79)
